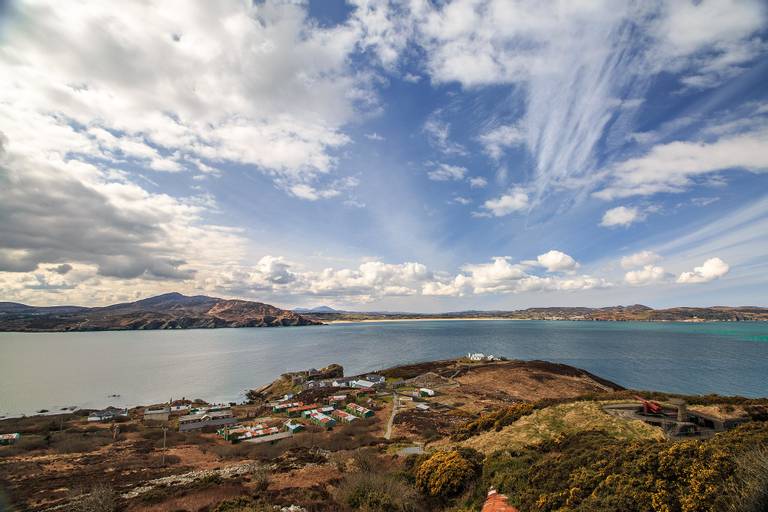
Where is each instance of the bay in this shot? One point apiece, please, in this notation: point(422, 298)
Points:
point(83, 369)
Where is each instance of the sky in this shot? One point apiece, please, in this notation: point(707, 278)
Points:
point(373, 155)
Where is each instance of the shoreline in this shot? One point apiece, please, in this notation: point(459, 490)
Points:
point(425, 319)
point(483, 319)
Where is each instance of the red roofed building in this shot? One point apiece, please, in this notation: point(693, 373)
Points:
point(496, 502)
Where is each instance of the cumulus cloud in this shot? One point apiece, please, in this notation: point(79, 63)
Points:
point(373, 280)
point(514, 200)
point(557, 261)
point(673, 167)
point(622, 216)
point(477, 182)
point(166, 85)
point(446, 172)
point(495, 141)
point(639, 259)
point(647, 275)
point(65, 212)
point(62, 269)
point(461, 200)
point(710, 270)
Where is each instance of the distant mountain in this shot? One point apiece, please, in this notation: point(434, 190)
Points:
point(318, 309)
point(168, 311)
point(7, 308)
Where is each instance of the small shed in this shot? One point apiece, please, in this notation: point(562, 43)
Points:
point(157, 413)
point(426, 392)
point(9, 438)
point(294, 427)
point(363, 384)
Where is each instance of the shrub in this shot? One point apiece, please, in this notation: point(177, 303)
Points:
point(26, 444)
point(592, 471)
point(751, 485)
point(101, 499)
point(260, 479)
point(494, 421)
point(242, 504)
point(374, 492)
point(448, 473)
point(239, 451)
point(80, 444)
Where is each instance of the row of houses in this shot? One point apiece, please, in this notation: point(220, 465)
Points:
point(241, 433)
point(359, 410)
point(108, 414)
point(259, 433)
point(369, 381)
point(343, 416)
point(214, 417)
point(322, 419)
point(479, 356)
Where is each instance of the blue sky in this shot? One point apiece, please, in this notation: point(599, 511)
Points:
point(385, 155)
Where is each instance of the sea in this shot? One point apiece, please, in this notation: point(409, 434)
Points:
point(54, 371)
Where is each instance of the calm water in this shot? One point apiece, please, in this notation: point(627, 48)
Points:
point(66, 369)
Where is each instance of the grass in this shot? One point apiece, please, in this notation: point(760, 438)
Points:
point(564, 419)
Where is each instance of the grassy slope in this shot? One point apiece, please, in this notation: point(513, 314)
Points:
point(549, 423)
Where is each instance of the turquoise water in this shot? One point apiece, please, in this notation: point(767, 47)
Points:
point(54, 370)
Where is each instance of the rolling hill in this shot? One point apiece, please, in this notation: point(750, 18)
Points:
point(167, 311)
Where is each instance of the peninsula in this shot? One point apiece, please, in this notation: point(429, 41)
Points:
point(428, 436)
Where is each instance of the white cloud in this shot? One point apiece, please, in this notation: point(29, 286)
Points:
point(495, 141)
point(557, 261)
point(584, 66)
point(621, 216)
point(514, 200)
point(710, 270)
point(461, 200)
point(639, 259)
point(649, 274)
point(438, 133)
point(445, 172)
point(477, 182)
point(672, 167)
point(714, 34)
point(164, 84)
point(380, 29)
point(374, 136)
point(66, 213)
point(310, 193)
point(503, 276)
point(498, 276)
point(333, 189)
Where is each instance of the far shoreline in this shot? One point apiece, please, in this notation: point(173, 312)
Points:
point(425, 319)
point(483, 319)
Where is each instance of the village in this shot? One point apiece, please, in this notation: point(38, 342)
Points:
point(305, 427)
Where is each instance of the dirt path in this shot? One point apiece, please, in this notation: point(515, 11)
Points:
point(388, 433)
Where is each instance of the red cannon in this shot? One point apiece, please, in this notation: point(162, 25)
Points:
point(649, 406)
